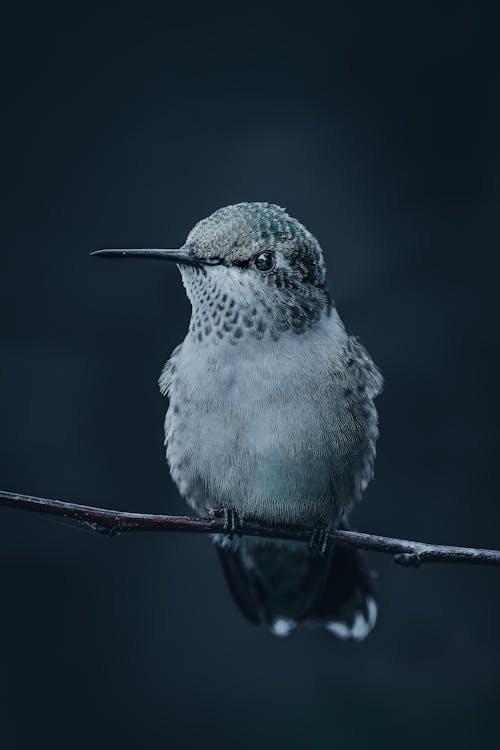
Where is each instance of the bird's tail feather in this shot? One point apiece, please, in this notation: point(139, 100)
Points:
point(281, 584)
point(347, 606)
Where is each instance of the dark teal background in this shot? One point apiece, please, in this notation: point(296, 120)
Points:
point(378, 127)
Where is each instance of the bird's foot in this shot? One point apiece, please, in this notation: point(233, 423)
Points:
point(318, 541)
point(230, 519)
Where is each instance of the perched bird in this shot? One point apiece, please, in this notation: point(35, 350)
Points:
point(271, 416)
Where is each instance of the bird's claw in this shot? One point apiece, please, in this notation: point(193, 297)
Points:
point(230, 519)
point(318, 541)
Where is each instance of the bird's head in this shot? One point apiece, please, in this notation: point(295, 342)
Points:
point(249, 270)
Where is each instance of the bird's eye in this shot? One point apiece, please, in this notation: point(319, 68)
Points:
point(264, 261)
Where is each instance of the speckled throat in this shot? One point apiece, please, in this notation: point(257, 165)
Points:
point(229, 304)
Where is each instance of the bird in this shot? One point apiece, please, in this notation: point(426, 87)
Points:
point(271, 416)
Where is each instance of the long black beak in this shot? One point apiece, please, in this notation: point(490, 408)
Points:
point(176, 256)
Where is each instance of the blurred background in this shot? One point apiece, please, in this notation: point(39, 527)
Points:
point(378, 127)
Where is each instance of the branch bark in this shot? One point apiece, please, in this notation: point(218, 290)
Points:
point(114, 522)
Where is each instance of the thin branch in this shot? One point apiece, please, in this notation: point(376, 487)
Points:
point(113, 522)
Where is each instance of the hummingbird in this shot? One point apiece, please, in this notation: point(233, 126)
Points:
point(271, 416)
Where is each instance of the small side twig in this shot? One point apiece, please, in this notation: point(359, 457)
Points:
point(113, 522)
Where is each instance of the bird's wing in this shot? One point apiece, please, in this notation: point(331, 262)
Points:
point(356, 382)
point(167, 373)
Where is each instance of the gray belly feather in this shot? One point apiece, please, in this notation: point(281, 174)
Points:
point(294, 448)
